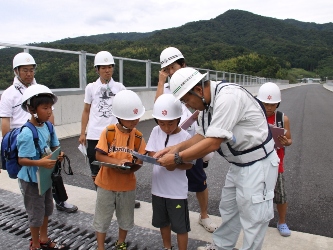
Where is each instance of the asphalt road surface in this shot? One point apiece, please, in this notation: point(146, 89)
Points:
point(308, 163)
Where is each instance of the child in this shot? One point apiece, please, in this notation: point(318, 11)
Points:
point(116, 187)
point(270, 95)
point(169, 185)
point(172, 60)
point(38, 101)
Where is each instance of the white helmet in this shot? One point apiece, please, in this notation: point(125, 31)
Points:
point(269, 92)
point(35, 90)
point(23, 58)
point(170, 55)
point(103, 58)
point(167, 108)
point(127, 105)
point(183, 80)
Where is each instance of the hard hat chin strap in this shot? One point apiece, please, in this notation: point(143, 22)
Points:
point(202, 99)
point(37, 120)
point(124, 127)
point(20, 79)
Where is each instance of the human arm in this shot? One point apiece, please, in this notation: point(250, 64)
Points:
point(5, 125)
point(286, 140)
point(44, 162)
point(162, 77)
point(196, 151)
point(84, 122)
point(183, 166)
point(180, 146)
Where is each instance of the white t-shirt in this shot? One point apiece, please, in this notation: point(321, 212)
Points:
point(100, 99)
point(167, 184)
point(186, 112)
point(10, 104)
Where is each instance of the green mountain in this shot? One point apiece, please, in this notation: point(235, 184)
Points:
point(102, 38)
point(235, 41)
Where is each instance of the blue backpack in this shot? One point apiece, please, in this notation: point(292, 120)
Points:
point(9, 152)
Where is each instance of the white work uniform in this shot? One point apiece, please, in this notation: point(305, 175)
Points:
point(10, 104)
point(247, 196)
point(100, 99)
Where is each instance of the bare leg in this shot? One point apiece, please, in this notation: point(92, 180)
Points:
point(43, 230)
point(166, 236)
point(100, 240)
point(35, 236)
point(282, 211)
point(122, 235)
point(182, 240)
point(202, 198)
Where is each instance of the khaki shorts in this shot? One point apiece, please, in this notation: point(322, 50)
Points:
point(109, 201)
point(280, 196)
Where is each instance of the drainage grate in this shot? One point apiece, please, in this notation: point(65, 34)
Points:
point(15, 221)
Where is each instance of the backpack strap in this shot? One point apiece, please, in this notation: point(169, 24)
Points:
point(279, 119)
point(35, 133)
point(110, 134)
point(35, 137)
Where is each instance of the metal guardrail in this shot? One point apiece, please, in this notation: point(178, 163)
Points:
point(211, 74)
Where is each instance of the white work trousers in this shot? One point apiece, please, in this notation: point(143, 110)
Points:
point(247, 203)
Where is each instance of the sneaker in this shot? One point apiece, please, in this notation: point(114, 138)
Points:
point(211, 246)
point(120, 246)
point(66, 207)
point(137, 204)
point(208, 224)
point(283, 230)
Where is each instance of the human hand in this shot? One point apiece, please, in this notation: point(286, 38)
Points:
point(283, 140)
point(61, 156)
point(167, 150)
point(162, 76)
point(82, 139)
point(167, 161)
point(46, 162)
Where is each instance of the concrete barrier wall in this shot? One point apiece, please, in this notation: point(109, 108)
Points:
point(68, 109)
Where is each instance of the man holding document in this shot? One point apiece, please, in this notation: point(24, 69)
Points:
point(236, 126)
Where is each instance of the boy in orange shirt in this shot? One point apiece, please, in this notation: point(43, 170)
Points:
point(115, 186)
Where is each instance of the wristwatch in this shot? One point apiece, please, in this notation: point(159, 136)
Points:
point(178, 159)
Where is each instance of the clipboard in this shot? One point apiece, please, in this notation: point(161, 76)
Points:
point(110, 165)
point(276, 132)
point(44, 179)
point(189, 121)
point(145, 158)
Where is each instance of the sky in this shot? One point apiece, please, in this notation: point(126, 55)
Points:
point(34, 21)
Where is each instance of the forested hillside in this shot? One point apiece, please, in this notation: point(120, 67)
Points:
point(235, 41)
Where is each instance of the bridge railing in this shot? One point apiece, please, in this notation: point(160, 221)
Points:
point(126, 75)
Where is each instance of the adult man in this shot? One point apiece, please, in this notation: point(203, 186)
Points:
point(237, 127)
point(172, 60)
point(11, 113)
point(97, 108)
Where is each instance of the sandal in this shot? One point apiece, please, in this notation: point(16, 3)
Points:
point(208, 224)
point(34, 248)
point(51, 244)
point(283, 229)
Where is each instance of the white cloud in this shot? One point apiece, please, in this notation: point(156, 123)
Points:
point(24, 21)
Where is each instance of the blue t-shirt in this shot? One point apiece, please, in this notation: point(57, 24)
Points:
point(26, 149)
